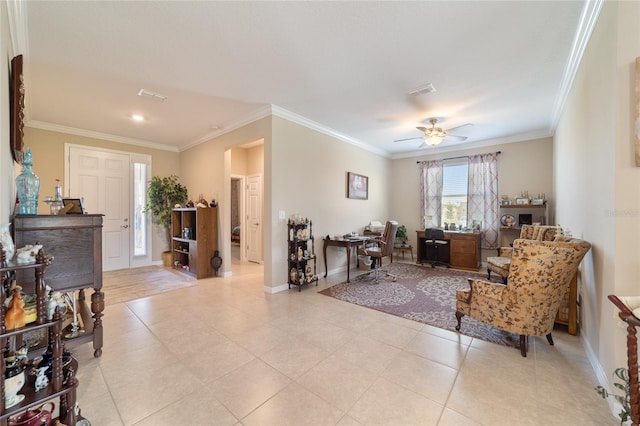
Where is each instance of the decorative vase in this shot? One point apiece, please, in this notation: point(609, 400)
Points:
point(166, 259)
point(28, 185)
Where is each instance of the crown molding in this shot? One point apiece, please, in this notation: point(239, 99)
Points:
point(277, 111)
point(97, 135)
point(255, 115)
point(588, 20)
point(473, 145)
point(303, 121)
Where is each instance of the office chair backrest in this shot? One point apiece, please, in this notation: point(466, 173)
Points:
point(435, 234)
point(389, 237)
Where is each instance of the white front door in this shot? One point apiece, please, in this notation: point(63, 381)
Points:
point(101, 178)
point(254, 218)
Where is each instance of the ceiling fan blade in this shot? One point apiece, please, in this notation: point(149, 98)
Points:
point(456, 137)
point(422, 129)
point(460, 126)
point(409, 139)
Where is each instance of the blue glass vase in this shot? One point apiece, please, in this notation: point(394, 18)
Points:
point(28, 185)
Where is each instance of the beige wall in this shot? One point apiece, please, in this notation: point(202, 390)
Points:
point(522, 166)
point(47, 148)
point(309, 178)
point(8, 169)
point(596, 182)
point(207, 169)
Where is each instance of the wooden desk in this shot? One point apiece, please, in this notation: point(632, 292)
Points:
point(464, 249)
point(348, 244)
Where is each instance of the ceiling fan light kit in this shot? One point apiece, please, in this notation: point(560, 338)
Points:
point(435, 135)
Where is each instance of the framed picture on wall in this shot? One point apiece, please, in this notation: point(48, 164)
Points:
point(357, 186)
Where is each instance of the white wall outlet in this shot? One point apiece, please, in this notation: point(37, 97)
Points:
point(282, 215)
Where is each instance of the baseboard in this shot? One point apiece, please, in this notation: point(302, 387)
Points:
point(277, 289)
point(601, 376)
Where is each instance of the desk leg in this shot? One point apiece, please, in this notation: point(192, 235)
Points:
point(97, 306)
point(348, 261)
point(324, 252)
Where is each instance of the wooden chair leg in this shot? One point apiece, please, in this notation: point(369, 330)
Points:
point(524, 343)
point(488, 274)
point(459, 316)
point(550, 339)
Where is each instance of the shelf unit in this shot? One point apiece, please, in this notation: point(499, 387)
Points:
point(301, 254)
point(194, 240)
point(63, 383)
point(538, 213)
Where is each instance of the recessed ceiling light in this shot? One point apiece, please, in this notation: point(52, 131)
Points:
point(152, 95)
point(137, 117)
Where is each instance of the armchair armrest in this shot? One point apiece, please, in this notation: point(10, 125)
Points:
point(486, 289)
point(505, 251)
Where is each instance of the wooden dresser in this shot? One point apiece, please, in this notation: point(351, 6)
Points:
point(464, 250)
point(75, 242)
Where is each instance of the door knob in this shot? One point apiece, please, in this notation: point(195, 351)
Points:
point(124, 226)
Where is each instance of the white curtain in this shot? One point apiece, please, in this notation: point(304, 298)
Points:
point(482, 198)
point(431, 193)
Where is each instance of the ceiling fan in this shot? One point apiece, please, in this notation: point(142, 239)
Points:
point(435, 135)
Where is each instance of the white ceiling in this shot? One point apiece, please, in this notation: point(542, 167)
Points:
point(345, 67)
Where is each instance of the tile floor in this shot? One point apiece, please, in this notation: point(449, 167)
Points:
point(226, 353)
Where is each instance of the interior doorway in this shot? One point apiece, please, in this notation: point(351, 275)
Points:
point(237, 213)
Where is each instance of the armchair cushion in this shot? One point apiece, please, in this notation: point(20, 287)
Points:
point(500, 264)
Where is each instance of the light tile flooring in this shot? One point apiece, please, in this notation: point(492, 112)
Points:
point(223, 352)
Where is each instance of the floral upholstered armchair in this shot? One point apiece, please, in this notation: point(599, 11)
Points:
point(539, 276)
point(500, 264)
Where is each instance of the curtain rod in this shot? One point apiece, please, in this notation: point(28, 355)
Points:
point(455, 158)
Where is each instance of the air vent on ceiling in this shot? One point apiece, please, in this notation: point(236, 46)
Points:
point(151, 95)
point(418, 91)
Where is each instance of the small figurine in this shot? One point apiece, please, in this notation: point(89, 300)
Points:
point(299, 253)
point(41, 378)
point(15, 316)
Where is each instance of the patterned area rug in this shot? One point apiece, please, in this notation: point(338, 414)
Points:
point(422, 294)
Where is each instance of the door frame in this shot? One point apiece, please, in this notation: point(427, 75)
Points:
point(134, 261)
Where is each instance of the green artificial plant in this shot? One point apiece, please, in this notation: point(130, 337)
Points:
point(401, 234)
point(623, 400)
point(162, 196)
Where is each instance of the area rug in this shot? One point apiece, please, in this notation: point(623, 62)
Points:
point(126, 285)
point(422, 294)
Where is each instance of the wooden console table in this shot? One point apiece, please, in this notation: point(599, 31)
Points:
point(348, 244)
point(75, 242)
point(464, 249)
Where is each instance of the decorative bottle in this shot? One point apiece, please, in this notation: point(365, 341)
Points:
point(28, 186)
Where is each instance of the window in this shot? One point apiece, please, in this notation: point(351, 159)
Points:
point(455, 178)
point(139, 202)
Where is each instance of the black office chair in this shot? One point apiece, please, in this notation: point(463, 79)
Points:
point(439, 247)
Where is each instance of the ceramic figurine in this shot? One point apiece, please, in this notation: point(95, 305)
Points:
point(41, 378)
point(15, 316)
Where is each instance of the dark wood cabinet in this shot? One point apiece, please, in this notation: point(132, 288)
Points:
point(75, 243)
point(464, 249)
point(194, 241)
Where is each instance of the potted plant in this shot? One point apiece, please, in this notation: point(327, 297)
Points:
point(401, 235)
point(623, 400)
point(162, 196)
